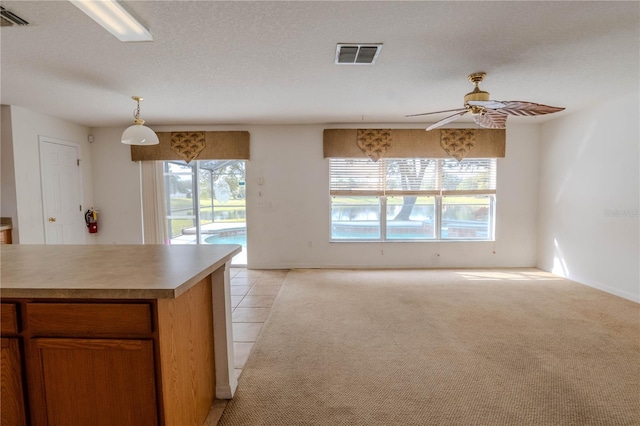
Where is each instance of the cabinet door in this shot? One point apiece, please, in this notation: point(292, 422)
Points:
point(92, 382)
point(5, 236)
point(12, 396)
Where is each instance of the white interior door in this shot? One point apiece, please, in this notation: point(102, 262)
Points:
point(60, 173)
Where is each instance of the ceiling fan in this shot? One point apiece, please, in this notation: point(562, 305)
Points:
point(488, 113)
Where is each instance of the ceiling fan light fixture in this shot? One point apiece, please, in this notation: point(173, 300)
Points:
point(487, 104)
point(476, 95)
point(139, 134)
point(488, 113)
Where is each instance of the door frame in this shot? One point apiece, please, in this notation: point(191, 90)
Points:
point(48, 139)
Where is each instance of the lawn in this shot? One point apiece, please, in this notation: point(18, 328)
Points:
point(184, 206)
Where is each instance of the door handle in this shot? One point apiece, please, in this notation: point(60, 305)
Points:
point(52, 219)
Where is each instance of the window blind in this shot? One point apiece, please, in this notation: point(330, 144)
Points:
point(356, 176)
point(412, 176)
point(469, 176)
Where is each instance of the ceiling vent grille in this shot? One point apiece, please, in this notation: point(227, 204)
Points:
point(8, 18)
point(357, 54)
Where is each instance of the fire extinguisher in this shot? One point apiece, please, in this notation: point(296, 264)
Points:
point(91, 218)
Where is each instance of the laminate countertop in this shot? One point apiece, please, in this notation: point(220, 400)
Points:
point(107, 271)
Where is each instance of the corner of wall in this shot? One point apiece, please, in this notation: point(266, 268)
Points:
point(118, 194)
point(589, 197)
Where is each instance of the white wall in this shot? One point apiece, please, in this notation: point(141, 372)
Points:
point(117, 189)
point(589, 197)
point(288, 226)
point(26, 127)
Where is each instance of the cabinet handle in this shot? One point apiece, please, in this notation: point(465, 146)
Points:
point(52, 219)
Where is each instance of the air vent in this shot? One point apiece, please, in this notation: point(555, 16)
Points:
point(357, 54)
point(8, 18)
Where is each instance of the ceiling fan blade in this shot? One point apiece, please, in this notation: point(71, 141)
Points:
point(527, 108)
point(437, 112)
point(449, 119)
point(492, 119)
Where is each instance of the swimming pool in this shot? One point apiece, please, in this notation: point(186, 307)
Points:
point(228, 239)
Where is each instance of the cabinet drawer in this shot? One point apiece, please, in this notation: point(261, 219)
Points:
point(8, 318)
point(89, 319)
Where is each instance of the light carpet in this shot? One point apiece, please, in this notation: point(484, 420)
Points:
point(445, 347)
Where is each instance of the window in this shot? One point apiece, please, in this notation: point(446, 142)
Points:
point(412, 199)
point(205, 203)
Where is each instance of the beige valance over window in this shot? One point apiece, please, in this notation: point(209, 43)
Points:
point(188, 146)
point(414, 143)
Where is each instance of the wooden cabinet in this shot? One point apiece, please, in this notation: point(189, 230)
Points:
point(12, 394)
point(8, 319)
point(89, 319)
point(101, 354)
point(111, 362)
point(13, 409)
point(5, 236)
point(93, 382)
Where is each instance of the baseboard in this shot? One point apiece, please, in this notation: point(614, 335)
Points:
point(224, 392)
point(606, 288)
point(595, 284)
point(370, 266)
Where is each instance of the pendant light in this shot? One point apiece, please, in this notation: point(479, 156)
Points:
point(139, 134)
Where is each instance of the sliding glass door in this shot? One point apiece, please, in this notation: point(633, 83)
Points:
point(206, 204)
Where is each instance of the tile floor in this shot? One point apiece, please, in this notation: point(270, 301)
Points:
point(252, 295)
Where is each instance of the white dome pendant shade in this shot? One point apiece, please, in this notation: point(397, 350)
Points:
point(139, 134)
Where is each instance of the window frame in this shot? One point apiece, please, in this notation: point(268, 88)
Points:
point(439, 195)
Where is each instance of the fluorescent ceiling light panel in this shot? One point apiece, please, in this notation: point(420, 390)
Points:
point(114, 18)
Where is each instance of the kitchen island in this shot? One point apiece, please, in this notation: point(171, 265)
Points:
point(127, 335)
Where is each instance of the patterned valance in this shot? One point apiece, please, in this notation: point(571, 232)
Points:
point(374, 143)
point(190, 145)
point(418, 143)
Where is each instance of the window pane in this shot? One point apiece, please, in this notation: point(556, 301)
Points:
point(467, 217)
point(181, 218)
point(223, 205)
point(355, 218)
point(410, 217)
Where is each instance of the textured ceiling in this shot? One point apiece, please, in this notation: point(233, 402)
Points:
point(267, 62)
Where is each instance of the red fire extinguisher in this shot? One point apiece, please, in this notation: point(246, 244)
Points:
point(91, 218)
